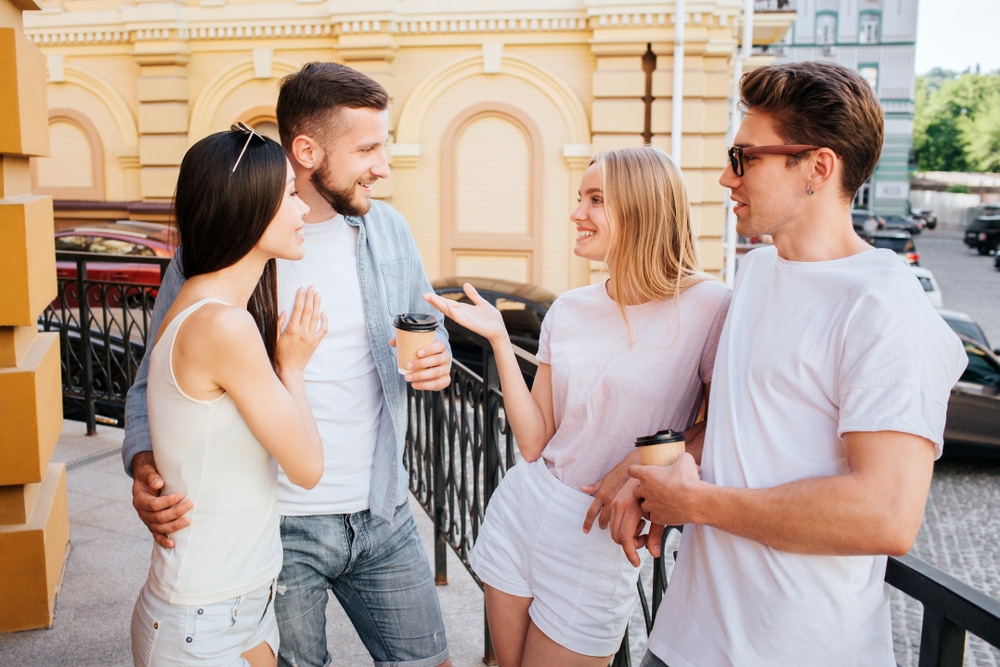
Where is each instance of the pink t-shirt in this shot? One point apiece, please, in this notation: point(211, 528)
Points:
point(606, 393)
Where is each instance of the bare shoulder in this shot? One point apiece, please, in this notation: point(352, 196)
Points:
point(216, 328)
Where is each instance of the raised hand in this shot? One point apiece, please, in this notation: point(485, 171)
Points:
point(479, 316)
point(306, 328)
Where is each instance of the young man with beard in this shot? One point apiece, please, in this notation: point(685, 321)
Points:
point(828, 404)
point(353, 534)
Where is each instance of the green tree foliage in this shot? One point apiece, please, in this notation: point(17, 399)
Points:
point(982, 136)
point(957, 121)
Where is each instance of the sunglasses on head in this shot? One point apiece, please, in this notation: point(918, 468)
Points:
point(736, 153)
point(240, 126)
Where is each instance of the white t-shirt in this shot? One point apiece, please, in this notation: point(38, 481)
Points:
point(606, 393)
point(810, 351)
point(341, 380)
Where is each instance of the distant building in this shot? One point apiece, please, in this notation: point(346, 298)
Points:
point(877, 38)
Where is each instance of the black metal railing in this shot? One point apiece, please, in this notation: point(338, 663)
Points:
point(459, 447)
point(102, 324)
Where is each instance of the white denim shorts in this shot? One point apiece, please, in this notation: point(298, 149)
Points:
point(532, 544)
point(209, 635)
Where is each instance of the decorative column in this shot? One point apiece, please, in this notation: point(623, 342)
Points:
point(162, 53)
point(618, 111)
point(708, 52)
point(34, 517)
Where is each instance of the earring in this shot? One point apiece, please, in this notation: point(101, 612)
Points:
point(809, 190)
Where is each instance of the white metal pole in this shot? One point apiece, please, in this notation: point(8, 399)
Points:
point(729, 239)
point(677, 103)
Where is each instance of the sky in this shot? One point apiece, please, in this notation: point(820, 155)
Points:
point(956, 34)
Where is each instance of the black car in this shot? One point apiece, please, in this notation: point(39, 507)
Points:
point(900, 243)
point(926, 216)
point(522, 305)
point(983, 234)
point(904, 223)
point(866, 223)
point(964, 325)
point(974, 405)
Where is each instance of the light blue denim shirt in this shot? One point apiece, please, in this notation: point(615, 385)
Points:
point(392, 281)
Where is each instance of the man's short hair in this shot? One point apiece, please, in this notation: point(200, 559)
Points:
point(309, 101)
point(821, 104)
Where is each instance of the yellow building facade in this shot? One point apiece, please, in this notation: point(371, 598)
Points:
point(496, 107)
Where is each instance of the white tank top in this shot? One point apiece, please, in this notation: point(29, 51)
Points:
point(205, 450)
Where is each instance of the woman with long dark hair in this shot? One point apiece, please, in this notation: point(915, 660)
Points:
point(227, 405)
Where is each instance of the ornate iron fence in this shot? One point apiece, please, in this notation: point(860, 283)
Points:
point(102, 325)
point(459, 447)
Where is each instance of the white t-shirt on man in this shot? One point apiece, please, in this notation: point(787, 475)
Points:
point(341, 380)
point(810, 351)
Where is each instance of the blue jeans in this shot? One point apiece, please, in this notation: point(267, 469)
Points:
point(379, 573)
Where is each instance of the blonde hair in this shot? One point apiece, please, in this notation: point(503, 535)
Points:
point(652, 254)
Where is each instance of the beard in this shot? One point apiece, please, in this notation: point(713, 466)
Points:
point(342, 201)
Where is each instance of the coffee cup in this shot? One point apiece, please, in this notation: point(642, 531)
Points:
point(660, 449)
point(413, 331)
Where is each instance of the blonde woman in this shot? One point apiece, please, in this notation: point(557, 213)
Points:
point(617, 360)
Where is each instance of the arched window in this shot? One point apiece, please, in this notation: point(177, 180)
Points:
point(490, 225)
point(74, 168)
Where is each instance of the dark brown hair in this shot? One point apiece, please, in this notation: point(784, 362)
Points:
point(309, 101)
point(821, 104)
point(221, 213)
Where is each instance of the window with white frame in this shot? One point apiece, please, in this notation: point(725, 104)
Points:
point(826, 28)
point(869, 30)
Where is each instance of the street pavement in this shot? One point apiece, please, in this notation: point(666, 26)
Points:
point(968, 281)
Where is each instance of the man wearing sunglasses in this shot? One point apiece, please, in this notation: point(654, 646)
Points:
point(353, 534)
point(827, 409)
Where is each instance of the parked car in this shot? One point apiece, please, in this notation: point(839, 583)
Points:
point(900, 243)
point(865, 223)
point(996, 261)
point(124, 238)
point(904, 223)
point(974, 405)
point(522, 305)
point(964, 325)
point(925, 215)
point(930, 285)
point(983, 234)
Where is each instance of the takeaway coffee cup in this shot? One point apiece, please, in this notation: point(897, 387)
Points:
point(660, 449)
point(413, 331)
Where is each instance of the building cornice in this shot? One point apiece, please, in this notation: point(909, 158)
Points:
point(159, 21)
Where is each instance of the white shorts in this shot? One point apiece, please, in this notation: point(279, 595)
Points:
point(208, 635)
point(532, 544)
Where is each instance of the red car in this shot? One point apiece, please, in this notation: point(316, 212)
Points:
point(124, 238)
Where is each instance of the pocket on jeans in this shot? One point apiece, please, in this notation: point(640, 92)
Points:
point(212, 620)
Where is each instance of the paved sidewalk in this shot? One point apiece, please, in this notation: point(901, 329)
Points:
point(109, 557)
